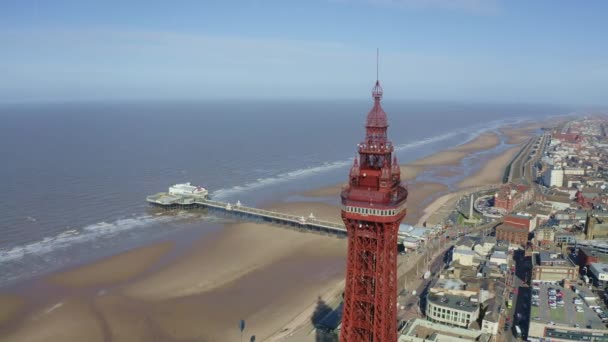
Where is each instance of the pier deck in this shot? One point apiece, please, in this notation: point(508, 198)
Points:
point(308, 223)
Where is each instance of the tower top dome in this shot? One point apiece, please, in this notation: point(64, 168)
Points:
point(377, 117)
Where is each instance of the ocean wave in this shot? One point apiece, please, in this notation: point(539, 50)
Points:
point(280, 178)
point(471, 132)
point(88, 233)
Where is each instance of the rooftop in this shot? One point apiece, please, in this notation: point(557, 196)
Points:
point(453, 302)
point(499, 254)
point(467, 242)
point(451, 284)
point(464, 252)
point(601, 267)
point(547, 258)
point(419, 330)
point(508, 228)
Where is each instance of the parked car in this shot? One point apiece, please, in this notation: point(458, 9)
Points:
point(578, 301)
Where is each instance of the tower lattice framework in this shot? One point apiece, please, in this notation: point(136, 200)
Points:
point(373, 206)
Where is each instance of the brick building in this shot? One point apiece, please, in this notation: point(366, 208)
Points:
point(521, 221)
point(570, 138)
point(515, 235)
point(587, 256)
point(511, 196)
point(553, 267)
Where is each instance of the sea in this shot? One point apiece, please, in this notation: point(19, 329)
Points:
point(74, 176)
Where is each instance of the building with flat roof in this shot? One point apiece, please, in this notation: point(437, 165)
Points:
point(539, 331)
point(553, 177)
point(465, 257)
point(599, 272)
point(553, 267)
point(419, 330)
point(485, 246)
point(459, 311)
point(599, 246)
point(499, 258)
point(587, 256)
point(596, 226)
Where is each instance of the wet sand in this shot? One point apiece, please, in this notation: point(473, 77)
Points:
point(492, 171)
point(454, 155)
point(9, 306)
point(262, 273)
point(269, 275)
point(112, 270)
point(420, 196)
point(411, 170)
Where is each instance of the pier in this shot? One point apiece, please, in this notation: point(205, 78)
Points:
point(309, 223)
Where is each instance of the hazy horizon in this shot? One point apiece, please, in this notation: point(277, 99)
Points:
point(459, 51)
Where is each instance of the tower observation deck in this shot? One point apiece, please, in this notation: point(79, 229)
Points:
point(373, 206)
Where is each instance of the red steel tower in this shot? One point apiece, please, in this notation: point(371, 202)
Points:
point(373, 205)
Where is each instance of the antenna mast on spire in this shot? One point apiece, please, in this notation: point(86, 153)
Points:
point(377, 91)
point(377, 63)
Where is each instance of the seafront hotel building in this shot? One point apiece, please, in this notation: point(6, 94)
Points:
point(451, 310)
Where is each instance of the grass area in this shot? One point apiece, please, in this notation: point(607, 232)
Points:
point(461, 219)
point(535, 312)
point(557, 315)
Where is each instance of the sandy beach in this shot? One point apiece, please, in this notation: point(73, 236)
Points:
point(269, 275)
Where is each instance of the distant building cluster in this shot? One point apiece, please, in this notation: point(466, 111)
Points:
point(467, 299)
point(567, 204)
point(557, 219)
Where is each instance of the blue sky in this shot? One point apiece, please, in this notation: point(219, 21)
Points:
point(465, 50)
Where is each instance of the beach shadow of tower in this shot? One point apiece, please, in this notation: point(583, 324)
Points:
point(325, 320)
